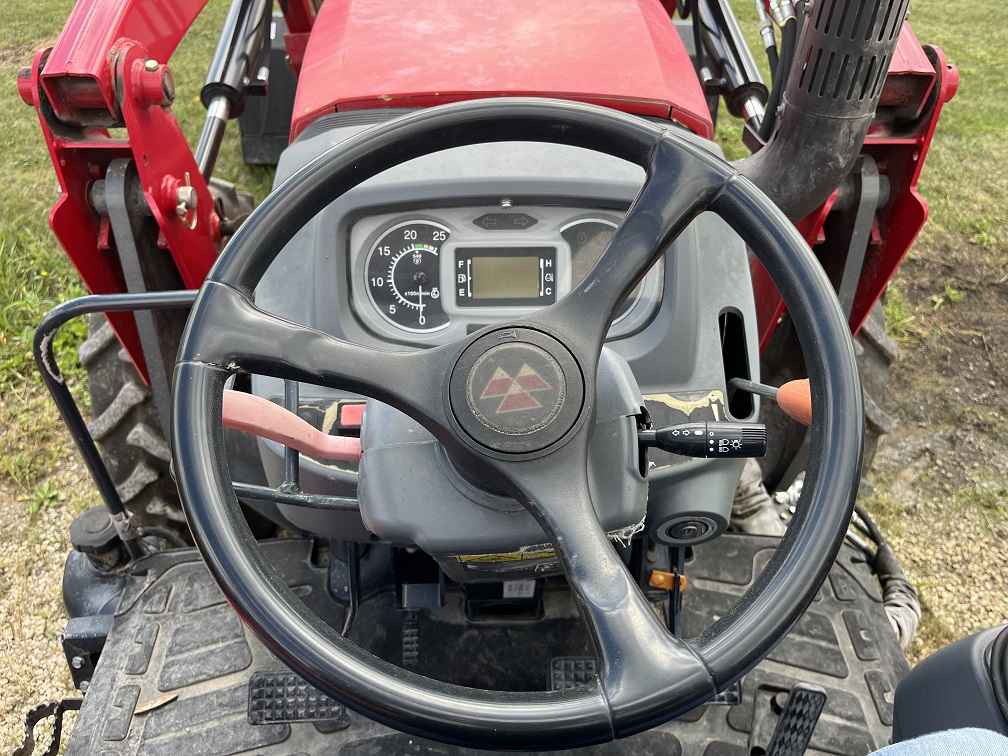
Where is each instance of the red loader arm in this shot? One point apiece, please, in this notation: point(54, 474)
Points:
point(108, 69)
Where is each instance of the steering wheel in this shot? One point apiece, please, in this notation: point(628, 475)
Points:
point(646, 675)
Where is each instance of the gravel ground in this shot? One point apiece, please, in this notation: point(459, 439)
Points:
point(956, 555)
point(32, 668)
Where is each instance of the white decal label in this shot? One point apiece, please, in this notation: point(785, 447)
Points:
point(519, 589)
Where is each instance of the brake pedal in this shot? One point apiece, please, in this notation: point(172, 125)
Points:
point(568, 672)
point(797, 720)
point(410, 640)
point(276, 697)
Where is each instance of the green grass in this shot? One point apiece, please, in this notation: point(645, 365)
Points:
point(963, 178)
point(35, 273)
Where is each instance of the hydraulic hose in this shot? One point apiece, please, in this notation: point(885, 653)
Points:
point(899, 595)
point(767, 35)
point(789, 37)
point(772, 59)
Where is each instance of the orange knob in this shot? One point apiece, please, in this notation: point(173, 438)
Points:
point(795, 398)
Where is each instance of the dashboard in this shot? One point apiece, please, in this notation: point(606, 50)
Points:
point(444, 245)
point(443, 273)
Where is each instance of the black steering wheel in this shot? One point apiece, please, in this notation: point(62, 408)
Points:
point(646, 676)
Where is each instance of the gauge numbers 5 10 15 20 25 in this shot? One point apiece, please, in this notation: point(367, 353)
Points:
point(403, 273)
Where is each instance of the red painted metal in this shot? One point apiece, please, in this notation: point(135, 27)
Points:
point(769, 303)
point(299, 15)
point(900, 155)
point(920, 81)
point(78, 76)
point(624, 55)
point(81, 154)
point(165, 163)
point(95, 76)
point(296, 44)
point(399, 53)
point(74, 224)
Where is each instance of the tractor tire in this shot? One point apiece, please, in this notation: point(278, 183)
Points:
point(128, 433)
point(875, 352)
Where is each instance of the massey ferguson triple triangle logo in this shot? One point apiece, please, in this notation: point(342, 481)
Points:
point(515, 392)
point(515, 388)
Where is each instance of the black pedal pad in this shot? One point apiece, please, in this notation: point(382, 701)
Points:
point(410, 640)
point(797, 720)
point(284, 697)
point(571, 671)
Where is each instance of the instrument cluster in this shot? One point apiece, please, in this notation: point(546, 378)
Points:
point(431, 277)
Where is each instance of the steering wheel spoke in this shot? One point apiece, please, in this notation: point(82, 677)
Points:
point(681, 183)
point(241, 337)
point(639, 659)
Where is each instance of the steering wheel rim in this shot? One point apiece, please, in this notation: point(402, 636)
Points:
point(662, 677)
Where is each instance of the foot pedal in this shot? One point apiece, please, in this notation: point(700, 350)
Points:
point(571, 671)
point(410, 640)
point(276, 697)
point(797, 720)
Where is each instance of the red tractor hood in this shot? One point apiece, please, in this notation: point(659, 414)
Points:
point(624, 54)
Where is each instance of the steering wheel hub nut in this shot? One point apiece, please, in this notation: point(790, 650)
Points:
point(516, 391)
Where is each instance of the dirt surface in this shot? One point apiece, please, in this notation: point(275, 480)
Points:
point(942, 474)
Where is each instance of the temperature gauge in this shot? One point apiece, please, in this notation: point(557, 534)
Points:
point(404, 276)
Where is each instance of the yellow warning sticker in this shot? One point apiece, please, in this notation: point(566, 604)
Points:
point(514, 556)
point(687, 403)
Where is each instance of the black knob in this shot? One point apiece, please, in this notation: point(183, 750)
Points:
point(720, 440)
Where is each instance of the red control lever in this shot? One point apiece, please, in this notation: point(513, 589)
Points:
point(259, 416)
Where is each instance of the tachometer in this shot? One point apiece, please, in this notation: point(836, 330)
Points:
point(404, 275)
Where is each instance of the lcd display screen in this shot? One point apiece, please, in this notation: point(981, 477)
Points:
point(505, 277)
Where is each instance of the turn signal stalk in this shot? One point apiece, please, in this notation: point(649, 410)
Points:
point(723, 440)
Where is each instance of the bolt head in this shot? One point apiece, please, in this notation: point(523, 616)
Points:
point(186, 195)
point(151, 65)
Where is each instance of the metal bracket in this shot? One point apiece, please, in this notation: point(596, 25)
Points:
point(54, 709)
point(122, 182)
point(867, 177)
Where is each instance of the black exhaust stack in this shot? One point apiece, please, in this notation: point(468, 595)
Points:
point(836, 78)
